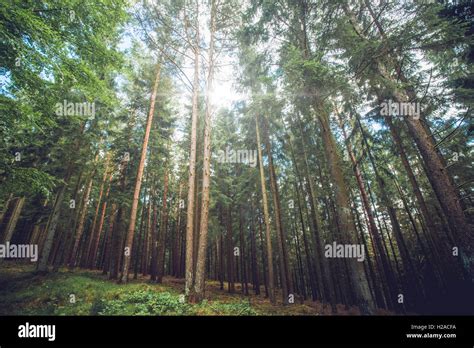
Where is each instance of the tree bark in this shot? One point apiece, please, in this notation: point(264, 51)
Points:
point(343, 214)
point(138, 181)
point(163, 231)
point(271, 277)
point(206, 171)
point(14, 217)
point(80, 228)
point(189, 263)
point(286, 280)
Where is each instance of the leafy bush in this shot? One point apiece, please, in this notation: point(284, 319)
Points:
point(239, 308)
point(144, 302)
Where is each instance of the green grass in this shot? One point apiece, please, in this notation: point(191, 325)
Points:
point(23, 293)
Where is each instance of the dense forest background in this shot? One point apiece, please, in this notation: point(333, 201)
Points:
point(236, 147)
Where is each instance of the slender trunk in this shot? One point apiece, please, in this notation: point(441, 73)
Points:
point(149, 230)
point(177, 248)
point(271, 277)
point(5, 208)
point(14, 217)
point(51, 230)
point(230, 252)
point(253, 256)
point(189, 264)
point(206, 171)
point(220, 254)
point(286, 281)
point(96, 238)
point(108, 240)
point(163, 231)
point(153, 237)
point(138, 181)
point(80, 228)
point(93, 235)
point(243, 256)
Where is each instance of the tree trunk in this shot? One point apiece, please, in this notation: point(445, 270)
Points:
point(243, 256)
point(14, 217)
point(206, 171)
point(138, 181)
point(343, 214)
point(253, 256)
point(80, 228)
point(189, 263)
point(94, 233)
point(388, 282)
point(435, 169)
point(108, 240)
point(154, 237)
point(286, 281)
point(230, 252)
point(5, 209)
point(271, 277)
point(163, 231)
point(42, 266)
point(97, 235)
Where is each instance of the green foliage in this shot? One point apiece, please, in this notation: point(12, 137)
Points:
point(51, 51)
point(239, 308)
point(145, 302)
point(31, 181)
point(28, 294)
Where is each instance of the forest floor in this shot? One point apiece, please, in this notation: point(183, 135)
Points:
point(88, 292)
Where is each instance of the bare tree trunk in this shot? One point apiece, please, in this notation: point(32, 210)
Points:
point(206, 172)
point(243, 256)
point(253, 256)
point(286, 279)
point(271, 277)
point(230, 252)
point(108, 240)
point(15, 215)
point(42, 266)
point(5, 209)
point(163, 231)
point(148, 253)
point(96, 215)
point(80, 228)
point(138, 181)
point(264, 259)
point(177, 235)
point(189, 264)
point(96, 237)
point(220, 261)
point(154, 236)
